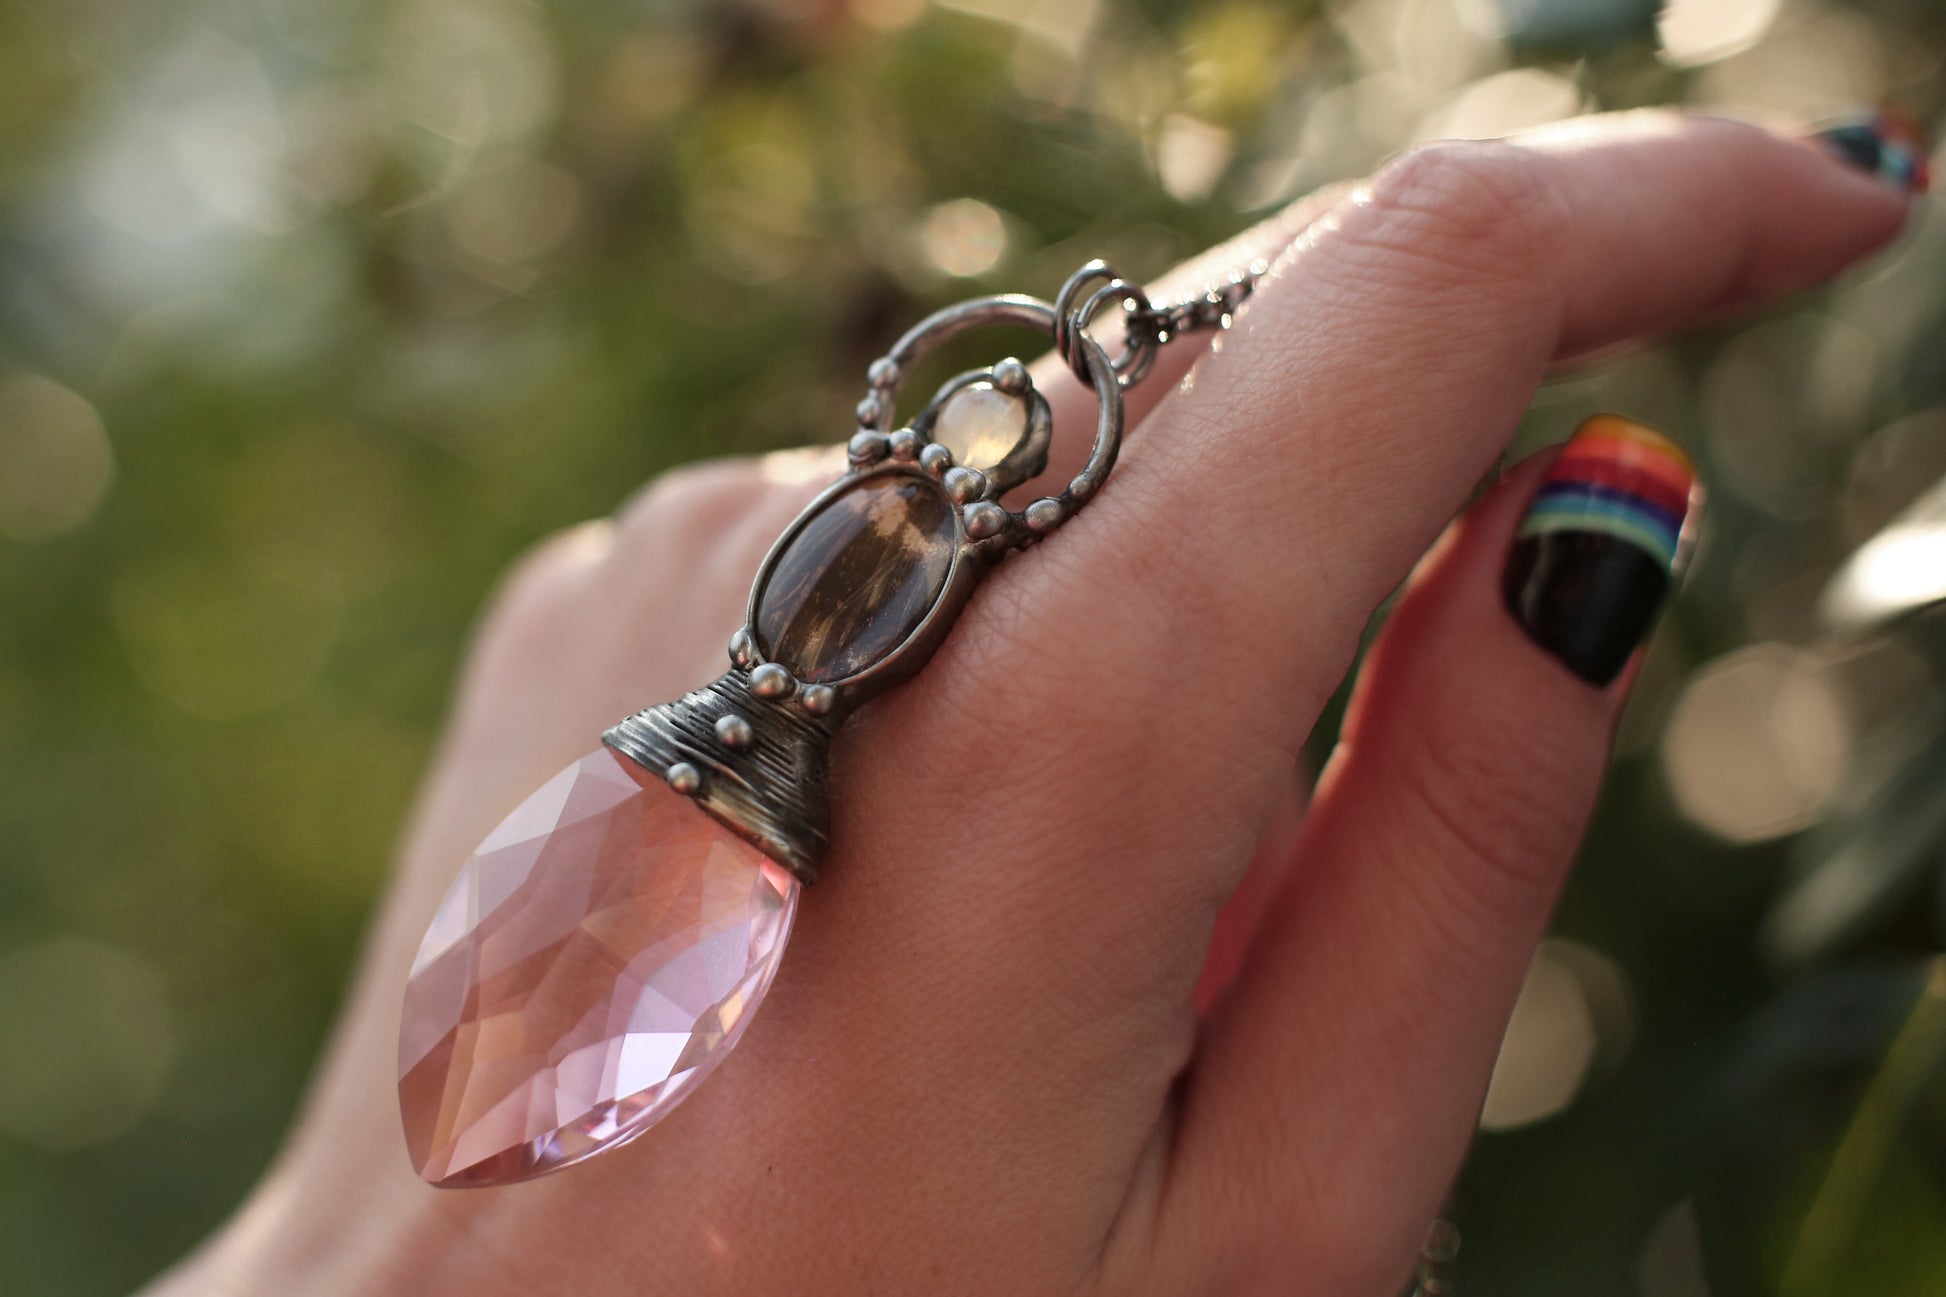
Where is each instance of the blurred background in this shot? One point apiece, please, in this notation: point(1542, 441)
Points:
point(313, 313)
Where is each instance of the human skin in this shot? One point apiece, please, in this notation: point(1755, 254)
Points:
point(985, 1066)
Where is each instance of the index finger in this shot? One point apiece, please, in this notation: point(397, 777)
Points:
point(1306, 462)
point(1132, 692)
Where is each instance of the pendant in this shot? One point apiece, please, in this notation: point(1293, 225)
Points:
point(605, 946)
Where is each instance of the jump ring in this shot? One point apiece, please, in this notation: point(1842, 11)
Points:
point(1139, 353)
point(1064, 314)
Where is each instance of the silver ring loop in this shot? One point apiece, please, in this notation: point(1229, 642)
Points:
point(1065, 313)
point(1108, 427)
point(1132, 366)
point(1092, 362)
point(1009, 309)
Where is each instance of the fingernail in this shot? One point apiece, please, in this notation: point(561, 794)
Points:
point(1600, 545)
point(1888, 144)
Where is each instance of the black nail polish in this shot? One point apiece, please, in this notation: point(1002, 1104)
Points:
point(1887, 144)
point(1597, 551)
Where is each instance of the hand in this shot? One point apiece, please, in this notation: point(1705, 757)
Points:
point(984, 1068)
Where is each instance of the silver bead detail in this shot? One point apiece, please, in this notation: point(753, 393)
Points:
point(965, 484)
point(743, 648)
point(905, 445)
point(770, 681)
point(819, 699)
point(734, 731)
point(1011, 377)
point(869, 411)
point(984, 519)
point(684, 778)
point(936, 460)
point(868, 447)
point(1044, 516)
point(884, 373)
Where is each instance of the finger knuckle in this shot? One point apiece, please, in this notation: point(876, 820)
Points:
point(689, 496)
point(534, 609)
point(548, 572)
point(1500, 828)
point(1472, 208)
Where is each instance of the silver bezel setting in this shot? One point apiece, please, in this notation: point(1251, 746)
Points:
point(904, 658)
point(750, 747)
point(1027, 458)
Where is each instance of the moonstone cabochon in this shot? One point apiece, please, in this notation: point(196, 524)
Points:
point(598, 955)
point(980, 424)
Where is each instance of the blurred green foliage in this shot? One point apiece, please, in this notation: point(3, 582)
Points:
point(312, 315)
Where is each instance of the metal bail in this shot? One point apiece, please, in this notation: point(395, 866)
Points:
point(755, 764)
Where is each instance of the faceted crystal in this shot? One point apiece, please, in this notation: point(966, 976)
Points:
point(856, 580)
point(980, 424)
point(599, 954)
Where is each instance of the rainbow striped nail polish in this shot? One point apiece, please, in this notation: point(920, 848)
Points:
point(1600, 544)
point(1888, 144)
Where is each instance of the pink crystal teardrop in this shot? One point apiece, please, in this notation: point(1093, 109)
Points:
point(599, 954)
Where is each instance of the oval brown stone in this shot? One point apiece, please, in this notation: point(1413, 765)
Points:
point(857, 578)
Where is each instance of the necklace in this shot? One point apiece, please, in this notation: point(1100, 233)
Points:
point(605, 946)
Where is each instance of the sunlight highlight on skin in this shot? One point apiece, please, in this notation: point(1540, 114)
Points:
point(801, 464)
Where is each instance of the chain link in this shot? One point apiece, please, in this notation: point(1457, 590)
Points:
point(1213, 308)
point(1147, 327)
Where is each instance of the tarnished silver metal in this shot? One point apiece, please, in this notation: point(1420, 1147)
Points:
point(1214, 308)
point(734, 731)
point(985, 519)
point(750, 746)
point(1132, 366)
point(964, 484)
point(869, 447)
point(1028, 458)
point(1044, 516)
point(770, 791)
point(1068, 323)
point(769, 680)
